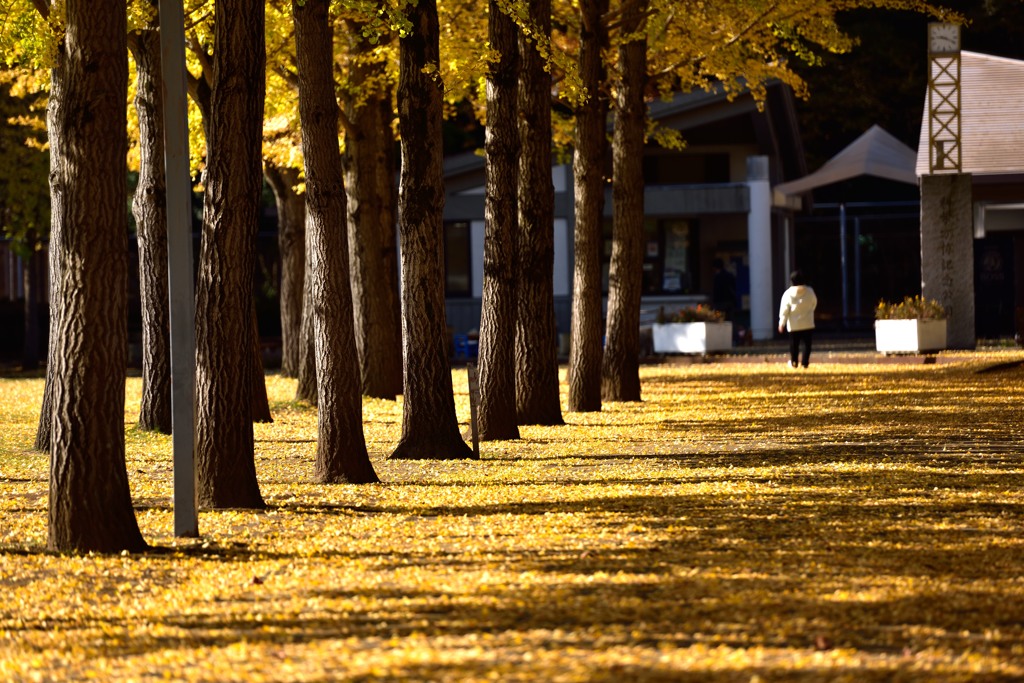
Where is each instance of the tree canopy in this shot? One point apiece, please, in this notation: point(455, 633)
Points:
point(437, 68)
point(24, 163)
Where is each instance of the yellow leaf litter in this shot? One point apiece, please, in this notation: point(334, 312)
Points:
point(745, 522)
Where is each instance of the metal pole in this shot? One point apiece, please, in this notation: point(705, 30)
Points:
point(179, 266)
point(842, 261)
point(787, 246)
point(856, 267)
point(474, 399)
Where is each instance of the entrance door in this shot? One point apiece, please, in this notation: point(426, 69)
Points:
point(995, 286)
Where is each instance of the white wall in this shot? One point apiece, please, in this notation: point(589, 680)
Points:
point(476, 246)
point(562, 281)
point(563, 264)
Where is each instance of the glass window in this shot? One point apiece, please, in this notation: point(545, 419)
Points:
point(457, 264)
point(668, 257)
point(678, 274)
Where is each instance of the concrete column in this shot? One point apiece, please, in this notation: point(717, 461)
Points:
point(759, 249)
point(947, 253)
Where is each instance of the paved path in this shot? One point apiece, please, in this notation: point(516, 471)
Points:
point(826, 350)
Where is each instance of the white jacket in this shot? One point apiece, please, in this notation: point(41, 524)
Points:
point(797, 310)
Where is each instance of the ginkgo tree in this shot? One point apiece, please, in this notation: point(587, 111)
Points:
point(518, 335)
point(496, 415)
point(537, 397)
point(620, 371)
point(591, 115)
point(282, 169)
point(367, 66)
point(653, 48)
point(341, 448)
point(741, 45)
point(225, 376)
point(32, 39)
point(365, 74)
point(24, 200)
point(429, 424)
point(90, 506)
point(149, 206)
point(81, 422)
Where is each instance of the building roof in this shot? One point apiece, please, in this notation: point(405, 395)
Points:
point(774, 129)
point(876, 153)
point(991, 116)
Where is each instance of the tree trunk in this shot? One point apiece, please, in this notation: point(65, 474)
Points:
point(90, 506)
point(55, 135)
point(341, 449)
point(150, 208)
point(429, 425)
point(496, 416)
point(373, 258)
point(224, 326)
point(291, 244)
point(305, 389)
point(585, 350)
point(537, 399)
point(620, 374)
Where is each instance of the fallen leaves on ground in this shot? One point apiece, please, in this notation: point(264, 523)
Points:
point(745, 522)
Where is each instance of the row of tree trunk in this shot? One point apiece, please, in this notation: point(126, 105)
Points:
point(346, 249)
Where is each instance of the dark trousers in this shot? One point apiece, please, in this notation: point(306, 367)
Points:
point(796, 338)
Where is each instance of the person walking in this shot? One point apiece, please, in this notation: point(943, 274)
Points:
point(796, 314)
point(723, 293)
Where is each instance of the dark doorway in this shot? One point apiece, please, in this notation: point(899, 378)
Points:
point(995, 285)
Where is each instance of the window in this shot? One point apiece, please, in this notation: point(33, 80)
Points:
point(677, 275)
point(457, 263)
point(669, 256)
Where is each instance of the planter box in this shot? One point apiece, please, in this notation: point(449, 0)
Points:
point(692, 337)
point(910, 336)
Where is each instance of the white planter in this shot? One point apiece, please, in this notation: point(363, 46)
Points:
point(692, 337)
point(910, 336)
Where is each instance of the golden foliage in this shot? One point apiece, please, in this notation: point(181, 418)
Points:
point(911, 308)
point(858, 522)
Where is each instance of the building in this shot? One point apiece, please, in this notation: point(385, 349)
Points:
point(858, 234)
point(971, 168)
point(708, 202)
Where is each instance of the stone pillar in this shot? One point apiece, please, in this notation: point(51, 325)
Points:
point(947, 252)
point(759, 249)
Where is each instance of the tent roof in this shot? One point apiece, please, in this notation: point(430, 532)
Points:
point(875, 153)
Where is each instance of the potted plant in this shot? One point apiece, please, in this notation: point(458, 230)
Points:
point(914, 325)
point(695, 329)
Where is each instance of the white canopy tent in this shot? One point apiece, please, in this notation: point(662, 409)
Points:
point(875, 153)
